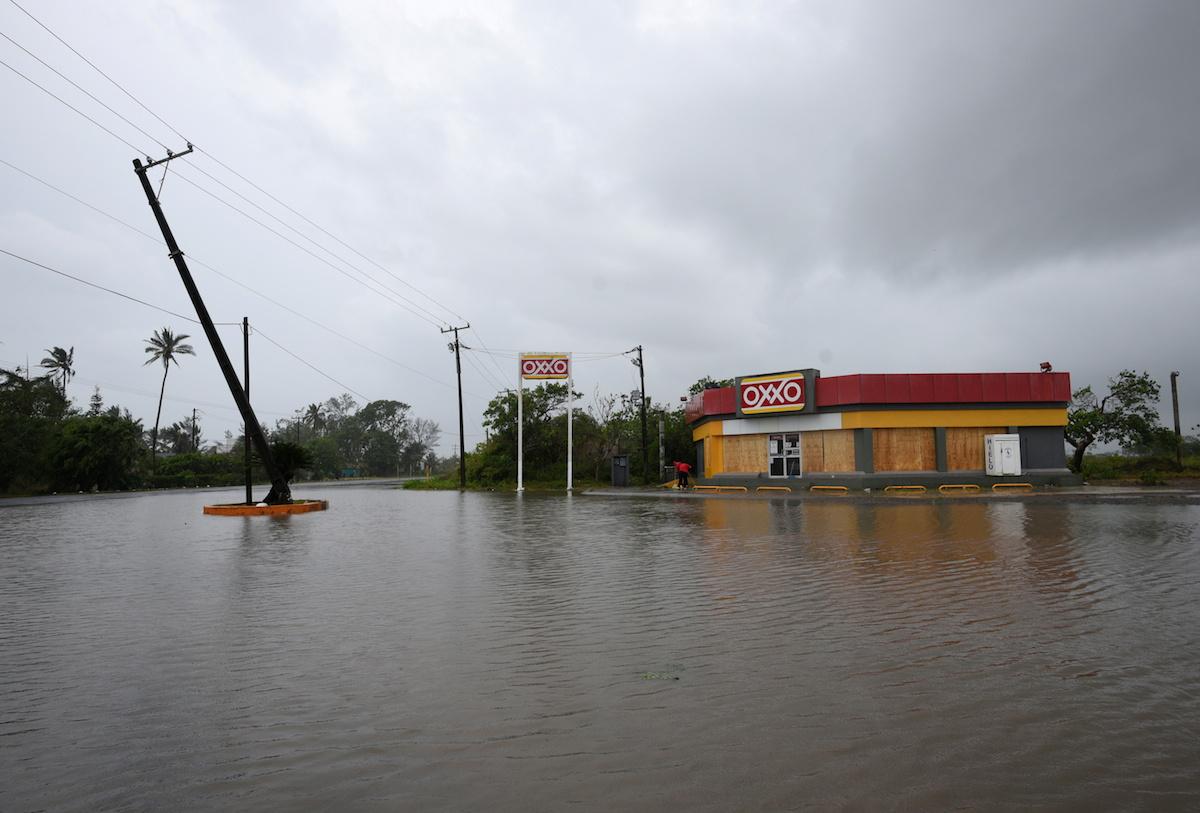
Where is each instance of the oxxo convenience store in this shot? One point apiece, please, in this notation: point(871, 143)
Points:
point(798, 428)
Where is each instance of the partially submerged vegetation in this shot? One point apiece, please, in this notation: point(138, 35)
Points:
point(47, 444)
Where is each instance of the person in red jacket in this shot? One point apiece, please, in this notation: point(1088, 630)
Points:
point(682, 470)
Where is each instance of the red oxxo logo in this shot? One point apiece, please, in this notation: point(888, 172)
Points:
point(772, 393)
point(545, 367)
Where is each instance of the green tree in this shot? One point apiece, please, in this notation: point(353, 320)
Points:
point(31, 410)
point(60, 364)
point(708, 383)
point(545, 442)
point(96, 404)
point(165, 347)
point(315, 415)
point(1127, 415)
point(96, 452)
point(290, 458)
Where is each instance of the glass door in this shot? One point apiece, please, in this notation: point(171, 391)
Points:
point(784, 453)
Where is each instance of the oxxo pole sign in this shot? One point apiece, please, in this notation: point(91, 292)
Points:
point(542, 367)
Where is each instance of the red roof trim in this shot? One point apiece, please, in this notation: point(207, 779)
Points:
point(909, 388)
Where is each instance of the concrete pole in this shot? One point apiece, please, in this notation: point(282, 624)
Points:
point(1175, 408)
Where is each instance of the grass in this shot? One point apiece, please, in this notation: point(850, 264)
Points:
point(1148, 471)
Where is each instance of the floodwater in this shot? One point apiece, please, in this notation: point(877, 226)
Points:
point(442, 651)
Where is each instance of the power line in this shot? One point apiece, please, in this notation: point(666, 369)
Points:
point(245, 214)
point(307, 251)
point(96, 69)
point(63, 101)
point(81, 89)
point(239, 175)
point(226, 166)
point(258, 332)
point(102, 288)
point(327, 233)
point(339, 258)
point(158, 240)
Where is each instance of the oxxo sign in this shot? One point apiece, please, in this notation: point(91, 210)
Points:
point(764, 394)
point(545, 366)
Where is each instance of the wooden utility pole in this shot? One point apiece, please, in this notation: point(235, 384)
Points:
point(462, 456)
point(1175, 408)
point(645, 451)
point(246, 427)
point(280, 491)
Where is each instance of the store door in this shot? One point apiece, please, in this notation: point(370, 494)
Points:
point(784, 455)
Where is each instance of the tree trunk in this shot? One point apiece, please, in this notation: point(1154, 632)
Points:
point(1077, 458)
point(157, 416)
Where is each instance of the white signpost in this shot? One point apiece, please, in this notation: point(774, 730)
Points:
point(542, 367)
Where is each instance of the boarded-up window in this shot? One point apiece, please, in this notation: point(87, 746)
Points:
point(904, 450)
point(964, 446)
point(745, 454)
point(831, 450)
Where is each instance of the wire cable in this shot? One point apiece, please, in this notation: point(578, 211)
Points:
point(50, 31)
point(258, 331)
point(81, 89)
point(51, 94)
point(221, 200)
point(307, 251)
point(102, 288)
point(198, 262)
point(440, 322)
point(220, 163)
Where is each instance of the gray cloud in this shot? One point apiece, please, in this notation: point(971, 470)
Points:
point(737, 188)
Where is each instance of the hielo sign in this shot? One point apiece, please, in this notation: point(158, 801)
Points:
point(537, 366)
point(764, 394)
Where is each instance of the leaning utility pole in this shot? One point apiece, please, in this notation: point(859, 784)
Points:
point(280, 491)
point(1175, 407)
point(645, 452)
point(462, 448)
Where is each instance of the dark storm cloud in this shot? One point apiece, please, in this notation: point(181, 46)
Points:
point(931, 138)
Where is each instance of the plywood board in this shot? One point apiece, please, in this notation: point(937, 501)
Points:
point(839, 449)
point(745, 454)
point(964, 446)
point(812, 451)
point(831, 450)
point(904, 450)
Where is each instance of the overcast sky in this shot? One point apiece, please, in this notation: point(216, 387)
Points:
point(739, 187)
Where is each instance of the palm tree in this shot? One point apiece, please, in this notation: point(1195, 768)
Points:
point(164, 346)
point(59, 363)
point(315, 416)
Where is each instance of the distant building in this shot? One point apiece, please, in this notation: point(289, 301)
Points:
point(869, 431)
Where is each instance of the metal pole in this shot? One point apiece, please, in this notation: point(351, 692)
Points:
point(645, 451)
point(246, 386)
point(280, 491)
point(662, 447)
point(194, 449)
point(462, 445)
point(520, 428)
point(570, 403)
point(1175, 408)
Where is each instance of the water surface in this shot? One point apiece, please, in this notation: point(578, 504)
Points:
point(431, 651)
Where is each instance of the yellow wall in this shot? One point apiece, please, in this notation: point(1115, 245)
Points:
point(917, 418)
point(714, 457)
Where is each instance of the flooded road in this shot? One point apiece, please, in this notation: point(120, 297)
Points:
point(442, 651)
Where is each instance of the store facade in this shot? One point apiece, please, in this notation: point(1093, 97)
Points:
point(869, 431)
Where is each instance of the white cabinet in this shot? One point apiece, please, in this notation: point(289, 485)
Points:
point(1003, 454)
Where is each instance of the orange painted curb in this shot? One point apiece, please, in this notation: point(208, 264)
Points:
point(241, 509)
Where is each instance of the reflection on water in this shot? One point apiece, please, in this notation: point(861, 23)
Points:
point(447, 651)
